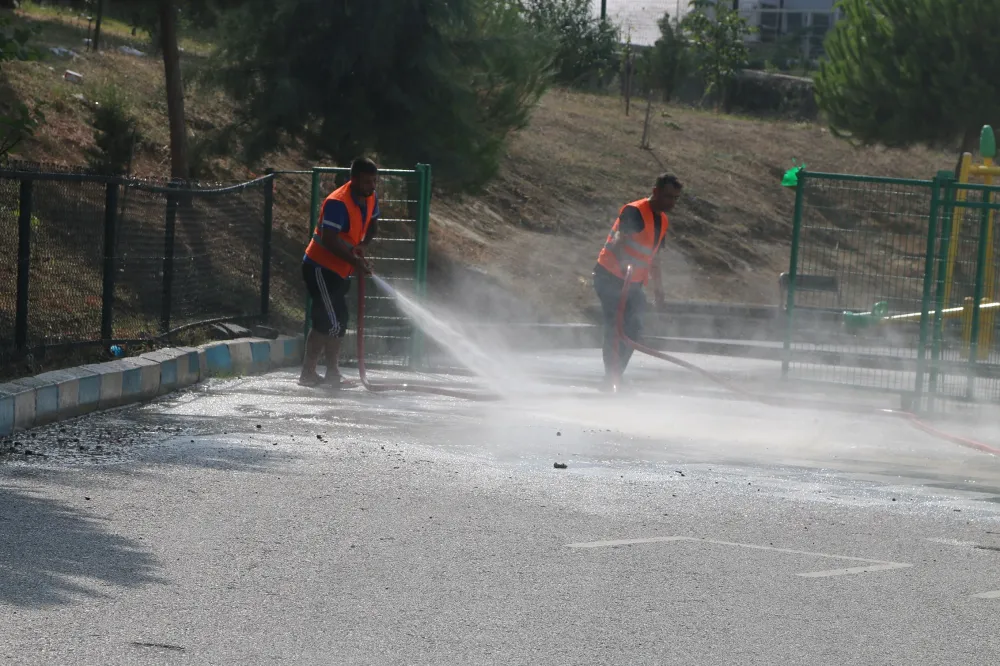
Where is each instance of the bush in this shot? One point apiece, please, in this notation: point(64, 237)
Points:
point(756, 93)
point(115, 133)
point(766, 94)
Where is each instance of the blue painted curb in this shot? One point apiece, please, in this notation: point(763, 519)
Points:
point(63, 394)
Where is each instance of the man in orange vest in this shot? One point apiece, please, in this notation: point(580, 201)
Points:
point(348, 221)
point(636, 238)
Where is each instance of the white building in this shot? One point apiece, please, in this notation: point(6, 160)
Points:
point(772, 18)
point(775, 18)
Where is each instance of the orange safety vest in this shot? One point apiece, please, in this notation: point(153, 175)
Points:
point(637, 249)
point(356, 231)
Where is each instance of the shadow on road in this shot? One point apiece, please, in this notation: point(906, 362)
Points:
point(51, 552)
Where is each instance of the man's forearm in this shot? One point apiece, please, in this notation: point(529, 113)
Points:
point(339, 249)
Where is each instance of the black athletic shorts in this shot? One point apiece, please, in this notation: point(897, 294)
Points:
point(329, 299)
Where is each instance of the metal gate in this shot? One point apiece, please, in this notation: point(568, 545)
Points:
point(399, 256)
point(892, 286)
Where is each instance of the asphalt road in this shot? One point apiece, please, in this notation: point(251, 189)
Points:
point(256, 522)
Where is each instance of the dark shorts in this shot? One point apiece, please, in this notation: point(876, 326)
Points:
point(329, 299)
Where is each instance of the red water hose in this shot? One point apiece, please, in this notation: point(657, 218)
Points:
point(620, 336)
point(381, 387)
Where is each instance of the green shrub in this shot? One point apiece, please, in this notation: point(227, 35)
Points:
point(115, 133)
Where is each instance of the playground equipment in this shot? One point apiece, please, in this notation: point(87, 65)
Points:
point(982, 320)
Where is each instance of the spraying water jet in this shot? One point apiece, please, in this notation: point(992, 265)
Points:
point(425, 321)
point(912, 418)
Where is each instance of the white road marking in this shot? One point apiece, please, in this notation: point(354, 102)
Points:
point(873, 565)
point(628, 542)
point(854, 570)
point(953, 542)
point(995, 594)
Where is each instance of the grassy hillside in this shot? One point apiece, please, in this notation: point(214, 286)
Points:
point(525, 248)
point(539, 227)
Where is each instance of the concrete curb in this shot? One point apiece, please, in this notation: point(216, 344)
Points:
point(63, 394)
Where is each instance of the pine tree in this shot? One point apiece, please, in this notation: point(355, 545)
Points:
point(903, 72)
point(441, 81)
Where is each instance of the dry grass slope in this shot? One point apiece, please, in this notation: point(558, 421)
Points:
point(538, 229)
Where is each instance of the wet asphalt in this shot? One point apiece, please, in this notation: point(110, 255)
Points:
point(252, 521)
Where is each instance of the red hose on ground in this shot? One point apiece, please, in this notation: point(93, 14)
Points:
point(382, 387)
point(617, 374)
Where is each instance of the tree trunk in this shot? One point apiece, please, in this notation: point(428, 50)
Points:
point(644, 144)
point(175, 91)
point(95, 45)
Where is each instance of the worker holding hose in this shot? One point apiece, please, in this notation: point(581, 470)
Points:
point(347, 223)
point(636, 238)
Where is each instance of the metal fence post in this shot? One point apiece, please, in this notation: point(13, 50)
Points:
point(420, 250)
point(977, 295)
point(947, 180)
point(25, 208)
point(423, 227)
point(793, 262)
point(313, 221)
point(925, 299)
point(168, 258)
point(265, 270)
point(110, 263)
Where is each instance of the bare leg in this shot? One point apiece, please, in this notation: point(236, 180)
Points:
point(315, 344)
point(333, 375)
point(332, 358)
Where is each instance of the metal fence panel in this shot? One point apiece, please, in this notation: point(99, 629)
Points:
point(9, 211)
point(114, 259)
point(218, 245)
point(886, 274)
point(139, 244)
point(67, 233)
point(867, 238)
point(965, 357)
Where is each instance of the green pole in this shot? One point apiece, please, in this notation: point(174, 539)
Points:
point(947, 179)
point(313, 220)
point(793, 262)
point(423, 225)
point(420, 251)
point(984, 225)
point(925, 299)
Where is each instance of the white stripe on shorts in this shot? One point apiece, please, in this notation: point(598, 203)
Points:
point(327, 303)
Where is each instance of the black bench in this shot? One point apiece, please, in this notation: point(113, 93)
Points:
point(825, 283)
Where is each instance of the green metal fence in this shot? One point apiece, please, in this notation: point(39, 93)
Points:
point(891, 283)
point(399, 256)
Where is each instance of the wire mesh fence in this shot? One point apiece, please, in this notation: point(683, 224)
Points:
point(861, 241)
point(90, 259)
point(964, 350)
point(886, 276)
point(9, 214)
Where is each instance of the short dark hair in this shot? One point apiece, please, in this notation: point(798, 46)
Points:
point(665, 179)
point(363, 165)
